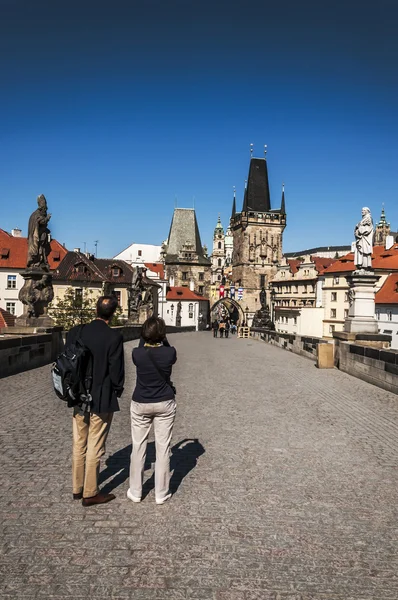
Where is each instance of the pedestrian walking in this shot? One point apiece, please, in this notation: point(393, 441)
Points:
point(222, 328)
point(215, 328)
point(91, 429)
point(227, 327)
point(153, 403)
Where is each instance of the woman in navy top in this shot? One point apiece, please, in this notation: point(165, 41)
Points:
point(153, 402)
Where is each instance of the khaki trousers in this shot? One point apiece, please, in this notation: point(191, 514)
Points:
point(89, 436)
point(162, 415)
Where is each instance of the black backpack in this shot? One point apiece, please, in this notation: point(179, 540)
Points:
point(72, 374)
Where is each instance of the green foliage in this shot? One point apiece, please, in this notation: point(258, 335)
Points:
point(74, 309)
point(117, 318)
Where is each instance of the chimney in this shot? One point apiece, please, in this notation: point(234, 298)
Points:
point(76, 249)
point(389, 242)
point(16, 232)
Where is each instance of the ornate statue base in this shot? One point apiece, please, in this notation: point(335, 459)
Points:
point(361, 315)
point(263, 319)
point(36, 293)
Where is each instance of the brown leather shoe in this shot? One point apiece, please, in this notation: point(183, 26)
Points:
point(78, 496)
point(98, 499)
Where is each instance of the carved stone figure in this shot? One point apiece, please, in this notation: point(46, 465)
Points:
point(263, 298)
point(142, 298)
point(39, 236)
point(178, 315)
point(262, 318)
point(37, 291)
point(364, 241)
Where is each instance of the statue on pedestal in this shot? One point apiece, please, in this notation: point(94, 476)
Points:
point(37, 291)
point(262, 317)
point(142, 299)
point(364, 241)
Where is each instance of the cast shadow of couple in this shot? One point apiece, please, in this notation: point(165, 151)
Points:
point(184, 457)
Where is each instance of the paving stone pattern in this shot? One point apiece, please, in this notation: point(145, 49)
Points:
point(285, 481)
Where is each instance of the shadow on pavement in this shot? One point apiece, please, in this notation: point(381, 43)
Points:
point(184, 457)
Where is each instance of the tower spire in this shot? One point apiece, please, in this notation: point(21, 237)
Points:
point(234, 205)
point(283, 208)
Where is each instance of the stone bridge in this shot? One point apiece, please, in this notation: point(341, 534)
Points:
point(285, 487)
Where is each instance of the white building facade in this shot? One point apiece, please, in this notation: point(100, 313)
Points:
point(138, 254)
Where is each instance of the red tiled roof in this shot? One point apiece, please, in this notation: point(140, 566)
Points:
point(6, 318)
point(388, 293)
point(322, 262)
point(156, 268)
point(17, 255)
point(183, 293)
point(382, 259)
point(294, 264)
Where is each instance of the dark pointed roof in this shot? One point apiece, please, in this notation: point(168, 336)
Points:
point(283, 208)
point(257, 197)
point(184, 230)
point(233, 208)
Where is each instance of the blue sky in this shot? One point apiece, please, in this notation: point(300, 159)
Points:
point(114, 110)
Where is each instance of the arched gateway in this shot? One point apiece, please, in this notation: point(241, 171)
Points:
point(227, 307)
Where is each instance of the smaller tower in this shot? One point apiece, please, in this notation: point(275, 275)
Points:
point(218, 256)
point(382, 229)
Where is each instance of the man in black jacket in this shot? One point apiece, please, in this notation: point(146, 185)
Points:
point(90, 429)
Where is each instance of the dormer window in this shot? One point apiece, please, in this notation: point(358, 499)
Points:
point(5, 252)
point(116, 271)
point(81, 269)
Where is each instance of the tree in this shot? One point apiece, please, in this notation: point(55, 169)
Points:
point(74, 308)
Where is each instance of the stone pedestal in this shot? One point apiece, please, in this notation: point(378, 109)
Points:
point(361, 315)
point(36, 293)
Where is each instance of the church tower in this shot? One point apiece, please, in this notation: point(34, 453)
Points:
point(257, 237)
point(382, 230)
point(218, 255)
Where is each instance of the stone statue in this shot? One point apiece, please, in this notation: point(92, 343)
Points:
point(39, 236)
point(364, 241)
point(262, 318)
point(142, 300)
point(263, 298)
point(178, 315)
point(37, 291)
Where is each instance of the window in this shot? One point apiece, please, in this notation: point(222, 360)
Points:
point(219, 278)
point(201, 289)
point(283, 274)
point(336, 280)
point(333, 313)
point(117, 294)
point(201, 276)
point(219, 262)
point(334, 297)
point(378, 315)
point(262, 281)
point(11, 282)
point(331, 328)
point(295, 320)
point(190, 310)
point(184, 275)
point(346, 297)
point(10, 307)
point(389, 315)
point(139, 252)
point(219, 245)
point(81, 269)
point(78, 296)
point(345, 313)
point(116, 271)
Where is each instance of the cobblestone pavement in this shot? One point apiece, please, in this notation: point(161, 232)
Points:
point(285, 487)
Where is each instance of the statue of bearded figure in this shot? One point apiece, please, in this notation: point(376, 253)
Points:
point(39, 236)
point(364, 241)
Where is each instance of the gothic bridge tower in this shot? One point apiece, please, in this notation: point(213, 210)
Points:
point(257, 235)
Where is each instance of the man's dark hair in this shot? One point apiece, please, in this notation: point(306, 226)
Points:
point(154, 330)
point(106, 306)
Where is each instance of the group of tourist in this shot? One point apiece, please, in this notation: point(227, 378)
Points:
point(223, 327)
point(153, 402)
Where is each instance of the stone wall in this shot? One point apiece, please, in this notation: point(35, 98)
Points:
point(299, 344)
point(377, 366)
point(23, 352)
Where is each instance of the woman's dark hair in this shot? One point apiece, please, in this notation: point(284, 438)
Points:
point(106, 306)
point(154, 330)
